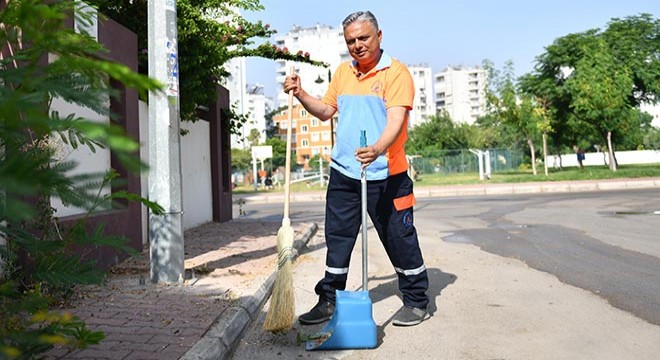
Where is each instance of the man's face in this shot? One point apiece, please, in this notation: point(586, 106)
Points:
point(363, 42)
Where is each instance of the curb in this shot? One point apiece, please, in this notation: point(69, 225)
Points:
point(227, 329)
point(483, 189)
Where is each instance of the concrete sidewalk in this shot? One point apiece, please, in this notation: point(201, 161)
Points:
point(231, 268)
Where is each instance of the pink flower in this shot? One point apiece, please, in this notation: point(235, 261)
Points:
point(267, 26)
point(300, 52)
point(285, 49)
point(306, 54)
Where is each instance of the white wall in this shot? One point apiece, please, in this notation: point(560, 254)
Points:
point(654, 111)
point(599, 158)
point(196, 174)
point(195, 169)
point(88, 161)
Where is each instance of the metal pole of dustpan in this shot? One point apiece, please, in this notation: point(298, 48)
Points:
point(363, 184)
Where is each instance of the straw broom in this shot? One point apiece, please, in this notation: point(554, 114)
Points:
point(281, 312)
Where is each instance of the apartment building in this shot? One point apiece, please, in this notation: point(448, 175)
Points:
point(461, 93)
point(309, 135)
point(423, 104)
point(323, 43)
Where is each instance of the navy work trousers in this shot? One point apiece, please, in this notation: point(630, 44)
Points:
point(393, 221)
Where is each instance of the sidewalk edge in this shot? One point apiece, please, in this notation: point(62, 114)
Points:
point(226, 331)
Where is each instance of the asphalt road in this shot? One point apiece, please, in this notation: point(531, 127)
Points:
point(605, 243)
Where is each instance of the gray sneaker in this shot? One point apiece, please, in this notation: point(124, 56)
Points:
point(409, 316)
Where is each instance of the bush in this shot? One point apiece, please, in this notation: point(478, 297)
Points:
point(39, 261)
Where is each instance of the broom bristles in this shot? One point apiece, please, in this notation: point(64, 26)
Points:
point(281, 311)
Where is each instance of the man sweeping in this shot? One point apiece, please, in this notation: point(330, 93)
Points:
point(373, 92)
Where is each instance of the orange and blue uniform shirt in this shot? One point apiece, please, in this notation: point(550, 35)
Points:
point(362, 103)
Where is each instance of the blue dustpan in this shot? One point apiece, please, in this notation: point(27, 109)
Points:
point(352, 325)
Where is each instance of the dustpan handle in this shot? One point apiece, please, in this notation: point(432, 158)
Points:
point(363, 202)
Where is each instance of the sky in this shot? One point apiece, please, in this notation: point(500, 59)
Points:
point(440, 33)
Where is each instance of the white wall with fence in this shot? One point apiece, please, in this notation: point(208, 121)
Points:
point(601, 158)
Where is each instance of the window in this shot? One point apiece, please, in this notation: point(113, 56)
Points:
point(304, 129)
point(283, 124)
point(293, 124)
point(325, 135)
point(315, 136)
point(304, 143)
point(315, 122)
point(315, 151)
point(303, 113)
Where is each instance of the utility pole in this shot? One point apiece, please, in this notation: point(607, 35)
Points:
point(166, 231)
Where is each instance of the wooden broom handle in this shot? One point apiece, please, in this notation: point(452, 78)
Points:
point(287, 167)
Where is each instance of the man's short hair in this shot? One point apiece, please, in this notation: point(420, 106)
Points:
point(360, 16)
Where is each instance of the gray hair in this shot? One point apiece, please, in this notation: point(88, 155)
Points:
point(360, 16)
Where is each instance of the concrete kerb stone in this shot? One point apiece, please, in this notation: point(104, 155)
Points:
point(612, 185)
point(224, 334)
point(555, 188)
point(642, 184)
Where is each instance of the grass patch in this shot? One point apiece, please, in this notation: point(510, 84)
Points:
point(567, 174)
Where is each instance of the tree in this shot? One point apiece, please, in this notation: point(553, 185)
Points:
point(435, 134)
point(513, 107)
point(279, 152)
point(600, 91)
point(241, 159)
point(634, 44)
point(271, 130)
point(254, 137)
point(630, 43)
point(210, 32)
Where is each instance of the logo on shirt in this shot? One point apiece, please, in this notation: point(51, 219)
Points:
point(376, 86)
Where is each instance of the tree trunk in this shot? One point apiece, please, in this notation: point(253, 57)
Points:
point(610, 150)
point(545, 153)
point(532, 153)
